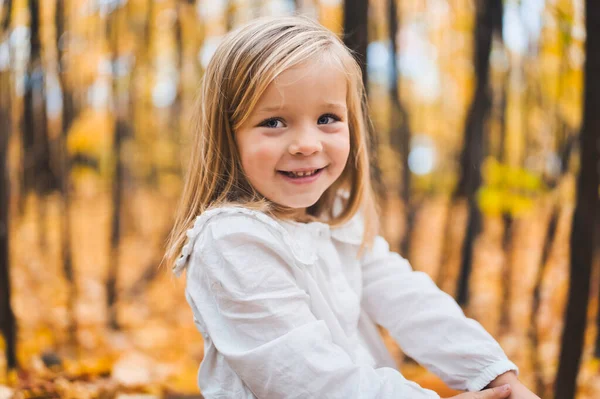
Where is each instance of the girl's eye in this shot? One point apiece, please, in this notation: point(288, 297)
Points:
point(327, 119)
point(272, 123)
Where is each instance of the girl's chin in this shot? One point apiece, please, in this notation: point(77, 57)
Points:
point(298, 203)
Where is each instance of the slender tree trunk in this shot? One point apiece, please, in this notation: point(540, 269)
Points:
point(400, 128)
point(122, 131)
point(536, 360)
point(7, 317)
point(507, 219)
point(507, 245)
point(488, 22)
point(356, 38)
point(38, 174)
point(587, 204)
point(597, 260)
point(176, 108)
point(533, 332)
point(503, 125)
point(68, 115)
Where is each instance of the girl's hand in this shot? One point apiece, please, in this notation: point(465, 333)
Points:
point(500, 392)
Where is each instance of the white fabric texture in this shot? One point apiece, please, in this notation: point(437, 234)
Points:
point(287, 310)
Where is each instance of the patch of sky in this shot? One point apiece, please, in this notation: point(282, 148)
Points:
point(164, 91)
point(123, 64)
point(19, 41)
point(54, 98)
point(423, 155)
point(279, 7)
point(103, 7)
point(532, 12)
point(208, 49)
point(522, 24)
point(379, 65)
point(98, 94)
point(513, 29)
point(210, 9)
point(417, 61)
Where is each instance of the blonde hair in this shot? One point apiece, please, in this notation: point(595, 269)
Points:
point(245, 63)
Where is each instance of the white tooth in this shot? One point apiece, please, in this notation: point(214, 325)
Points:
point(302, 174)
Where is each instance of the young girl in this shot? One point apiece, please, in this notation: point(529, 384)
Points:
point(277, 229)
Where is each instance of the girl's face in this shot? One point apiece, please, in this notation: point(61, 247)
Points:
point(296, 141)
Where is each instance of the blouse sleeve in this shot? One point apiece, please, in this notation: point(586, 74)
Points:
point(241, 279)
point(427, 323)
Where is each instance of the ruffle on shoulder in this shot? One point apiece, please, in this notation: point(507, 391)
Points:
point(302, 253)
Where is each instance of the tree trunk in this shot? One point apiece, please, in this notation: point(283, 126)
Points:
point(597, 263)
point(488, 22)
point(536, 360)
point(68, 115)
point(122, 131)
point(400, 129)
point(7, 317)
point(37, 172)
point(356, 13)
point(565, 155)
point(356, 38)
point(587, 204)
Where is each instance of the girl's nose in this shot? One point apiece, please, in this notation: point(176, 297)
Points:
point(306, 143)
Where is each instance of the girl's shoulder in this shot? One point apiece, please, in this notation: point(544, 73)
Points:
point(228, 220)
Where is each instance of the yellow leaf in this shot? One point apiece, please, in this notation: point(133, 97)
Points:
point(490, 200)
point(91, 134)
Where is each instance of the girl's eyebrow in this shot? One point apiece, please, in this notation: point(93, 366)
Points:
point(337, 105)
point(276, 108)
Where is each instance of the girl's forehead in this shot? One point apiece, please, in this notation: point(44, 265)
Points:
point(307, 82)
point(311, 73)
point(318, 67)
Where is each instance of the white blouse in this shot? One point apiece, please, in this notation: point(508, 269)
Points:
point(287, 310)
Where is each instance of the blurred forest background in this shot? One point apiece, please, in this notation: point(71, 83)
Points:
point(486, 116)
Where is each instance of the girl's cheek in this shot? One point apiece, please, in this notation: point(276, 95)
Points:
point(341, 142)
point(266, 150)
point(264, 154)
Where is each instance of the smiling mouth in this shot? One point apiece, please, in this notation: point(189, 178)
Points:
point(297, 175)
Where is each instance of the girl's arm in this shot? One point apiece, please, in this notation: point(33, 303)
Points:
point(240, 279)
point(519, 390)
point(427, 323)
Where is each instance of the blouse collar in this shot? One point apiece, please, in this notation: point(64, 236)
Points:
point(299, 236)
point(351, 232)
